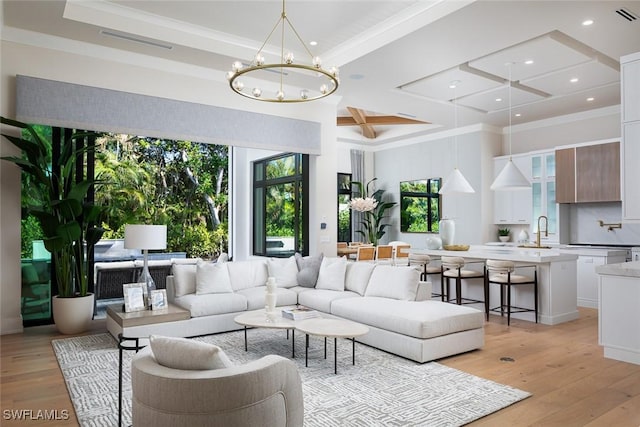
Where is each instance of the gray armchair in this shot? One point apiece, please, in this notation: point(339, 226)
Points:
point(265, 392)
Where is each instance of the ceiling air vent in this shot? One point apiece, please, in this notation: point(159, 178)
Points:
point(627, 14)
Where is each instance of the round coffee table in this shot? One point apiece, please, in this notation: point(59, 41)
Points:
point(331, 328)
point(260, 319)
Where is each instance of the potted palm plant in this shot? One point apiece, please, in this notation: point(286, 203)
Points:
point(67, 220)
point(373, 209)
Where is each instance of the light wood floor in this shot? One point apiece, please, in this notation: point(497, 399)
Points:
point(562, 366)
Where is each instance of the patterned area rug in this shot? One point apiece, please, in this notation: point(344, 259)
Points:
point(380, 390)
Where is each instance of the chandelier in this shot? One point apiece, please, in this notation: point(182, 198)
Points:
point(327, 79)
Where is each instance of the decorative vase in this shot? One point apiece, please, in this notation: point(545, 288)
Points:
point(270, 296)
point(434, 242)
point(72, 315)
point(523, 236)
point(503, 238)
point(447, 231)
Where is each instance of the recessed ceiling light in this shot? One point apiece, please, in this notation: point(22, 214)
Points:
point(356, 76)
point(498, 99)
point(591, 98)
point(454, 84)
point(313, 43)
point(574, 80)
point(529, 61)
point(587, 22)
point(518, 114)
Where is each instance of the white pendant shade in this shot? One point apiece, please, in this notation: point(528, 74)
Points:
point(510, 178)
point(456, 183)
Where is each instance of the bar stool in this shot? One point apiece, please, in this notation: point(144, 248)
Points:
point(423, 263)
point(501, 273)
point(452, 268)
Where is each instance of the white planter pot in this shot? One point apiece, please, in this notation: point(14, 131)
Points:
point(73, 315)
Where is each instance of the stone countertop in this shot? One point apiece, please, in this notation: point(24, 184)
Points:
point(507, 253)
point(628, 269)
point(593, 251)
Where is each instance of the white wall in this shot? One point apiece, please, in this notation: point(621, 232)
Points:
point(111, 69)
point(473, 213)
point(566, 130)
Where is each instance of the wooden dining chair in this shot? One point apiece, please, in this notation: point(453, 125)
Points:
point(401, 256)
point(384, 254)
point(366, 253)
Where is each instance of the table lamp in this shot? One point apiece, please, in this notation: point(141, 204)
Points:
point(145, 237)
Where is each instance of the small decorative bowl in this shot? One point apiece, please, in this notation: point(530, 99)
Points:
point(456, 247)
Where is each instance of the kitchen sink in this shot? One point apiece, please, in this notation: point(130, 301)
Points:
point(534, 247)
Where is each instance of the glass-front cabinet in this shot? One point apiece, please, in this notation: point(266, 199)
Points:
point(543, 188)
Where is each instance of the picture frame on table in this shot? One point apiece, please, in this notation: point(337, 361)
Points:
point(159, 299)
point(134, 297)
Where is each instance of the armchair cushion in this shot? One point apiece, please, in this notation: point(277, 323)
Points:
point(182, 353)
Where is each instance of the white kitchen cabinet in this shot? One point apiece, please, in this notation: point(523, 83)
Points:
point(630, 155)
point(588, 278)
point(543, 188)
point(630, 82)
point(512, 206)
point(630, 147)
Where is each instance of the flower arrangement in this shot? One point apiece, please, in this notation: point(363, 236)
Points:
point(373, 210)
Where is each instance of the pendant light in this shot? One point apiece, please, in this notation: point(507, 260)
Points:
point(510, 178)
point(455, 183)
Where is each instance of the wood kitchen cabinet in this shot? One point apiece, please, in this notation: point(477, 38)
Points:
point(589, 173)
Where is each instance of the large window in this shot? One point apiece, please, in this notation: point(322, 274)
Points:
point(280, 205)
point(344, 212)
point(420, 206)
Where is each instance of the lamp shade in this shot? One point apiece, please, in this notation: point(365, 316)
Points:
point(142, 236)
point(510, 178)
point(456, 183)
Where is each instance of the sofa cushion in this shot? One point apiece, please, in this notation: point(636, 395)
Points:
point(321, 299)
point(212, 278)
point(247, 274)
point(208, 304)
point(420, 319)
point(184, 279)
point(392, 282)
point(308, 269)
point(255, 297)
point(170, 352)
point(284, 270)
point(332, 273)
point(357, 276)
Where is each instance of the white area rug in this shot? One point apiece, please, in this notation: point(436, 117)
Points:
point(380, 390)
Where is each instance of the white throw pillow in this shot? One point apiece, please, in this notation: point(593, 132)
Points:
point(212, 278)
point(284, 270)
point(357, 276)
point(247, 274)
point(182, 353)
point(184, 279)
point(399, 283)
point(332, 273)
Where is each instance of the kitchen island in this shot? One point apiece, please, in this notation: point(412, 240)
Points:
point(557, 280)
point(619, 311)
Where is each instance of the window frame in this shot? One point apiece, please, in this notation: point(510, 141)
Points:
point(260, 184)
point(432, 225)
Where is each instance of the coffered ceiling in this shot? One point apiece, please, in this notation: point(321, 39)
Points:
point(397, 58)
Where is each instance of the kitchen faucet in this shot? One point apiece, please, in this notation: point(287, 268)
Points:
point(546, 229)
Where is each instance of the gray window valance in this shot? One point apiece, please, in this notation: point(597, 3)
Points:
point(55, 103)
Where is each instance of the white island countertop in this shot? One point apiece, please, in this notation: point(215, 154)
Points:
point(505, 253)
point(628, 269)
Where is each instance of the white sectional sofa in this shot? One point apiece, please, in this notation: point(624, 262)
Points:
point(390, 300)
